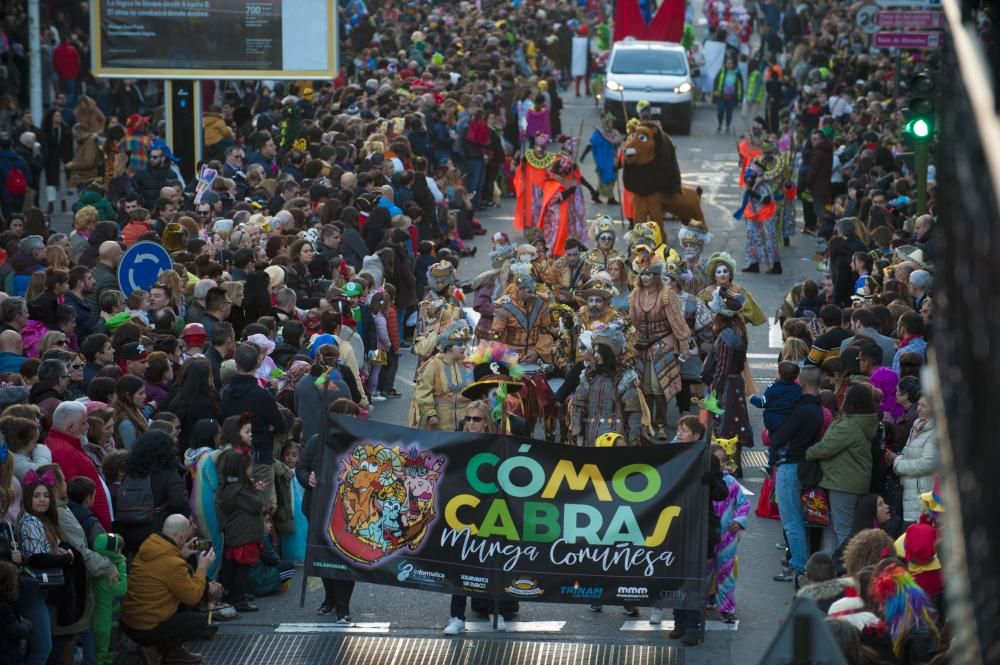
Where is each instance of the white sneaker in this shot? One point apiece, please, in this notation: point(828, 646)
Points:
point(378, 397)
point(501, 625)
point(656, 616)
point(455, 626)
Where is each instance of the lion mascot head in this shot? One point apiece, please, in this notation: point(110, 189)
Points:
point(650, 161)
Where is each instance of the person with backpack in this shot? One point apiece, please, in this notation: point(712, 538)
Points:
point(15, 177)
point(151, 490)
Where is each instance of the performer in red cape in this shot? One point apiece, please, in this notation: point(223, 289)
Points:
point(562, 213)
point(529, 181)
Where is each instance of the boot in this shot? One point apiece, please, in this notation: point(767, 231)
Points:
point(775, 268)
point(753, 267)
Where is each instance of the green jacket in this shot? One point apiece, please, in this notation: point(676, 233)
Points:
point(755, 87)
point(105, 211)
point(107, 598)
point(845, 454)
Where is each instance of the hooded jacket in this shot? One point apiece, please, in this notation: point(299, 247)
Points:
point(825, 593)
point(916, 467)
point(244, 394)
point(160, 580)
point(215, 128)
point(844, 453)
point(107, 595)
point(105, 211)
point(240, 513)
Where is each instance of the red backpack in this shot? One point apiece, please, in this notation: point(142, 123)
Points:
point(16, 183)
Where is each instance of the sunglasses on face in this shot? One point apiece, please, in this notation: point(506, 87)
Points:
point(76, 367)
point(474, 419)
point(62, 342)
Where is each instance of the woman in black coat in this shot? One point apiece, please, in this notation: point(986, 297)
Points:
point(376, 227)
point(194, 399)
point(57, 144)
point(153, 456)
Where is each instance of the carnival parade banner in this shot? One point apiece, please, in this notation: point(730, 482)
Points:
point(510, 519)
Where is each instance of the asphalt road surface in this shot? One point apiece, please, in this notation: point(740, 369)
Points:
point(707, 159)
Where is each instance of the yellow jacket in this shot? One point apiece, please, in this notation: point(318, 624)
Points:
point(215, 128)
point(160, 580)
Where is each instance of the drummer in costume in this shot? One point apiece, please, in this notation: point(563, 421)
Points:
point(437, 397)
point(440, 307)
point(661, 336)
point(608, 399)
point(693, 237)
point(603, 230)
point(496, 381)
point(699, 321)
point(567, 274)
point(720, 268)
point(522, 321)
point(724, 370)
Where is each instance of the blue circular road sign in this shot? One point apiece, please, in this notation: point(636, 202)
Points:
point(141, 266)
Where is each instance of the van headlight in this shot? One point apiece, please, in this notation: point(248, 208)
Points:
point(683, 88)
point(615, 86)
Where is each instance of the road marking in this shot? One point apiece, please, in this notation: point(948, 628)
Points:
point(332, 628)
point(762, 356)
point(668, 625)
point(516, 626)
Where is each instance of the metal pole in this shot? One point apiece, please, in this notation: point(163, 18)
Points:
point(35, 61)
point(920, 167)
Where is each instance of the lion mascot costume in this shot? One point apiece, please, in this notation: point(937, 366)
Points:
point(651, 175)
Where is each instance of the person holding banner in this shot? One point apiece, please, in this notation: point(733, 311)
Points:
point(438, 403)
point(337, 593)
point(478, 420)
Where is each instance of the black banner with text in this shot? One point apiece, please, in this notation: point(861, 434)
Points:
point(510, 519)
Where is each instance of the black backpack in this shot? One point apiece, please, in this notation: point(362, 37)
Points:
point(136, 506)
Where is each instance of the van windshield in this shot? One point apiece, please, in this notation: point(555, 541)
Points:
point(649, 61)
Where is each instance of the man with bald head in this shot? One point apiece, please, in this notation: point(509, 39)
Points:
point(105, 272)
point(162, 589)
point(11, 351)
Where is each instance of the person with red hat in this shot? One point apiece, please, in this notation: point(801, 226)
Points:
point(194, 337)
point(132, 358)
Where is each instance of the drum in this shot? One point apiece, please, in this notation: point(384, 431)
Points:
point(530, 369)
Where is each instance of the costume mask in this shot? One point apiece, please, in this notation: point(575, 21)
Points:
point(691, 249)
point(720, 272)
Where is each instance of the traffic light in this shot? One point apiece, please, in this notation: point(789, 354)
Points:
point(920, 108)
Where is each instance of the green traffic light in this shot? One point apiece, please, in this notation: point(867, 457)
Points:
point(918, 128)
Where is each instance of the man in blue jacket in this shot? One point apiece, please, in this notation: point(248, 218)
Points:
point(789, 443)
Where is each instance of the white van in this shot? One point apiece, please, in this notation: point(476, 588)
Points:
point(655, 71)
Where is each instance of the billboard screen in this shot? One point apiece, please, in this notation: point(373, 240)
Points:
point(175, 39)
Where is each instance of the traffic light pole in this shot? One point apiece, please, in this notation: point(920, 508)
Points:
point(920, 167)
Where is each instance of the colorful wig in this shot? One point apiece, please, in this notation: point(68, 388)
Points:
point(906, 605)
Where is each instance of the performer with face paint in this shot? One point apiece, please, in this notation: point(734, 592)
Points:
point(603, 230)
point(441, 306)
point(721, 268)
point(693, 237)
point(661, 335)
